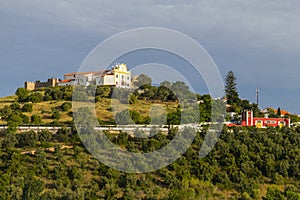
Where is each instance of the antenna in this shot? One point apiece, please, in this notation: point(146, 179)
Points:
point(257, 95)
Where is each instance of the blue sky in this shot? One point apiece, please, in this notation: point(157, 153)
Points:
point(257, 40)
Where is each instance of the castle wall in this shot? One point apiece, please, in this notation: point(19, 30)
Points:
point(38, 84)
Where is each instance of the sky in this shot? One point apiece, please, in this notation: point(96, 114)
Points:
point(258, 40)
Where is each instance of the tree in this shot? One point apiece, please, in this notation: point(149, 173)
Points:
point(15, 118)
point(36, 119)
point(126, 117)
point(15, 106)
point(22, 94)
point(143, 81)
point(273, 193)
point(56, 114)
point(36, 97)
point(66, 106)
point(231, 89)
point(27, 107)
point(103, 91)
point(32, 188)
point(279, 112)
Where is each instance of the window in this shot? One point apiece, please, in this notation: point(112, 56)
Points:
point(258, 124)
point(127, 77)
point(117, 76)
point(270, 122)
point(122, 76)
point(117, 83)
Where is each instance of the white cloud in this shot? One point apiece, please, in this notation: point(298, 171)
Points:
point(269, 22)
point(259, 32)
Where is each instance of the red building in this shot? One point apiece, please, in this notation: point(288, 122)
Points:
point(262, 122)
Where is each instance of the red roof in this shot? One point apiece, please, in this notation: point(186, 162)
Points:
point(86, 73)
point(66, 81)
point(283, 112)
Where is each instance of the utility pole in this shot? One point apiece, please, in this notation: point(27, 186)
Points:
point(257, 93)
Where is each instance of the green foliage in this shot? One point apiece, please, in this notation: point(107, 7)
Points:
point(56, 114)
point(132, 99)
point(6, 111)
point(15, 106)
point(143, 81)
point(174, 118)
point(32, 188)
point(231, 92)
point(242, 160)
point(80, 96)
point(22, 94)
point(17, 118)
point(294, 118)
point(27, 139)
point(103, 91)
point(45, 136)
point(36, 97)
point(278, 112)
point(27, 107)
point(55, 93)
point(273, 194)
point(231, 88)
point(36, 119)
point(66, 106)
point(130, 117)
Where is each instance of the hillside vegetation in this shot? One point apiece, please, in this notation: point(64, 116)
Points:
point(53, 105)
point(246, 163)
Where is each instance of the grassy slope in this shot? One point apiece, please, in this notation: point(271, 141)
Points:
point(103, 109)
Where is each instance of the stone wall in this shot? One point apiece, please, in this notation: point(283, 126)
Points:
point(38, 84)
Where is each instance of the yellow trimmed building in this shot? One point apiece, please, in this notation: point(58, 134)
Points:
point(118, 76)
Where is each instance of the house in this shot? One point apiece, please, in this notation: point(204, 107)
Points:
point(118, 76)
point(263, 122)
point(66, 82)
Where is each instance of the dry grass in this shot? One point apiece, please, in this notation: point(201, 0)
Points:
point(105, 109)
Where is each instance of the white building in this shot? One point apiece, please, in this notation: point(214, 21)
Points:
point(118, 76)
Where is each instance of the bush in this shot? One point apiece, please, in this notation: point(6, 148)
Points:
point(17, 118)
point(27, 107)
point(22, 94)
point(36, 119)
point(36, 97)
point(66, 106)
point(56, 114)
point(15, 106)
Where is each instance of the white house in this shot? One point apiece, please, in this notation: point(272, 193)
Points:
point(118, 76)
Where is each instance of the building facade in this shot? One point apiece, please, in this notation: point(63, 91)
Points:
point(263, 122)
point(118, 76)
point(51, 82)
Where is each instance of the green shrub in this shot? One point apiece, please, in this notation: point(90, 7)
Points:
point(56, 114)
point(27, 107)
point(66, 106)
point(36, 119)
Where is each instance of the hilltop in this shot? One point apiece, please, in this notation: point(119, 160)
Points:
point(58, 110)
point(246, 162)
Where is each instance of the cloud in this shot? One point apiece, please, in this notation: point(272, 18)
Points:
point(256, 39)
